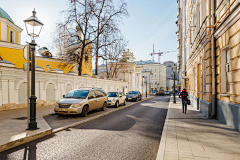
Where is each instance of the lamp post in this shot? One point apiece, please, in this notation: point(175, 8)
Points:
point(142, 84)
point(146, 88)
point(33, 27)
point(174, 70)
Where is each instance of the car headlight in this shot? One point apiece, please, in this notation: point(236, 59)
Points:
point(76, 105)
point(114, 100)
point(56, 105)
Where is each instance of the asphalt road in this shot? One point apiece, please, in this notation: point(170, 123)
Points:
point(130, 133)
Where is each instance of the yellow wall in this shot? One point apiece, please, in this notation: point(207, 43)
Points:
point(16, 35)
point(13, 55)
point(16, 56)
point(54, 65)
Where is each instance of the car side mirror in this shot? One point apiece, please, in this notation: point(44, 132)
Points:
point(90, 97)
point(63, 96)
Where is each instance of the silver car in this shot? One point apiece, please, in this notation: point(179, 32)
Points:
point(116, 99)
point(81, 101)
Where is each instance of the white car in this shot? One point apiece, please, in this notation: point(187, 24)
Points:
point(116, 99)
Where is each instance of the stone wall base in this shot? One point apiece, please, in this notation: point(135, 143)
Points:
point(194, 102)
point(229, 114)
point(205, 108)
point(11, 106)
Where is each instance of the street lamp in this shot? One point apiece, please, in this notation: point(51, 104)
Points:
point(142, 84)
point(146, 87)
point(33, 27)
point(174, 70)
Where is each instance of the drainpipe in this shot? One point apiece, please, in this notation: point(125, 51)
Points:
point(184, 19)
point(214, 105)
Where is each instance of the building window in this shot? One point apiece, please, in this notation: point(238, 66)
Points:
point(86, 59)
point(155, 69)
point(11, 36)
point(204, 76)
point(227, 69)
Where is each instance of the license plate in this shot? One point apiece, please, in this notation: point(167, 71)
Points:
point(129, 98)
point(63, 109)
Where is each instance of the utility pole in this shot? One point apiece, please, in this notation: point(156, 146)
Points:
point(146, 88)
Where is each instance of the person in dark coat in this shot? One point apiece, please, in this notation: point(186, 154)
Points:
point(184, 96)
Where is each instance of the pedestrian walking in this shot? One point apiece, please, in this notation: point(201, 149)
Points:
point(184, 96)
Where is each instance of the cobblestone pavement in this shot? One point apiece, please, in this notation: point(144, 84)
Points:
point(130, 133)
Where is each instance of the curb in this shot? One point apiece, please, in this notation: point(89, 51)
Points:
point(95, 117)
point(162, 146)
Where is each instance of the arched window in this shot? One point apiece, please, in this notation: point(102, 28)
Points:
point(11, 36)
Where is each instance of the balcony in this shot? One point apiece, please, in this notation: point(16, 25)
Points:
point(178, 12)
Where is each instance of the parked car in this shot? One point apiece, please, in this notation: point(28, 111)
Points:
point(154, 93)
point(116, 99)
point(166, 93)
point(81, 101)
point(161, 92)
point(134, 95)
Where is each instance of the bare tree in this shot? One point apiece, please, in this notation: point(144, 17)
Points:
point(112, 55)
point(107, 16)
point(85, 23)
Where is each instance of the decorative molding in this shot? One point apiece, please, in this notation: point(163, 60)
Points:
point(230, 20)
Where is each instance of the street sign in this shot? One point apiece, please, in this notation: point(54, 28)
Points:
point(26, 51)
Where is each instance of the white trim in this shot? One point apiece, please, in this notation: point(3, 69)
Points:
point(233, 18)
point(68, 82)
point(11, 45)
point(48, 82)
point(10, 24)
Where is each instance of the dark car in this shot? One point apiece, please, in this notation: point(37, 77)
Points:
point(134, 95)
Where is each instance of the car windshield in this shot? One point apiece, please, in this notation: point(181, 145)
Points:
point(77, 94)
point(155, 91)
point(132, 92)
point(112, 94)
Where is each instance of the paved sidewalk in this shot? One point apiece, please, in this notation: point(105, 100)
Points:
point(13, 124)
point(193, 137)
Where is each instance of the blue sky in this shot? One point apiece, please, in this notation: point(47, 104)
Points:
point(150, 21)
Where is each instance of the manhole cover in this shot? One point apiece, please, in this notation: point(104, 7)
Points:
point(21, 118)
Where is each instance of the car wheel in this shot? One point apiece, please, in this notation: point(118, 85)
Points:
point(117, 104)
point(140, 98)
point(104, 106)
point(125, 102)
point(84, 111)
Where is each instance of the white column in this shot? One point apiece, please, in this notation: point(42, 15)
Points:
point(59, 95)
point(133, 81)
point(19, 37)
point(63, 89)
point(1, 101)
point(41, 90)
point(5, 91)
point(3, 31)
point(11, 91)
point(37, 87)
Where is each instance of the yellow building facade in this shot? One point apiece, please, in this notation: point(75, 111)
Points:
point(209, 56)
point(11, 50)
